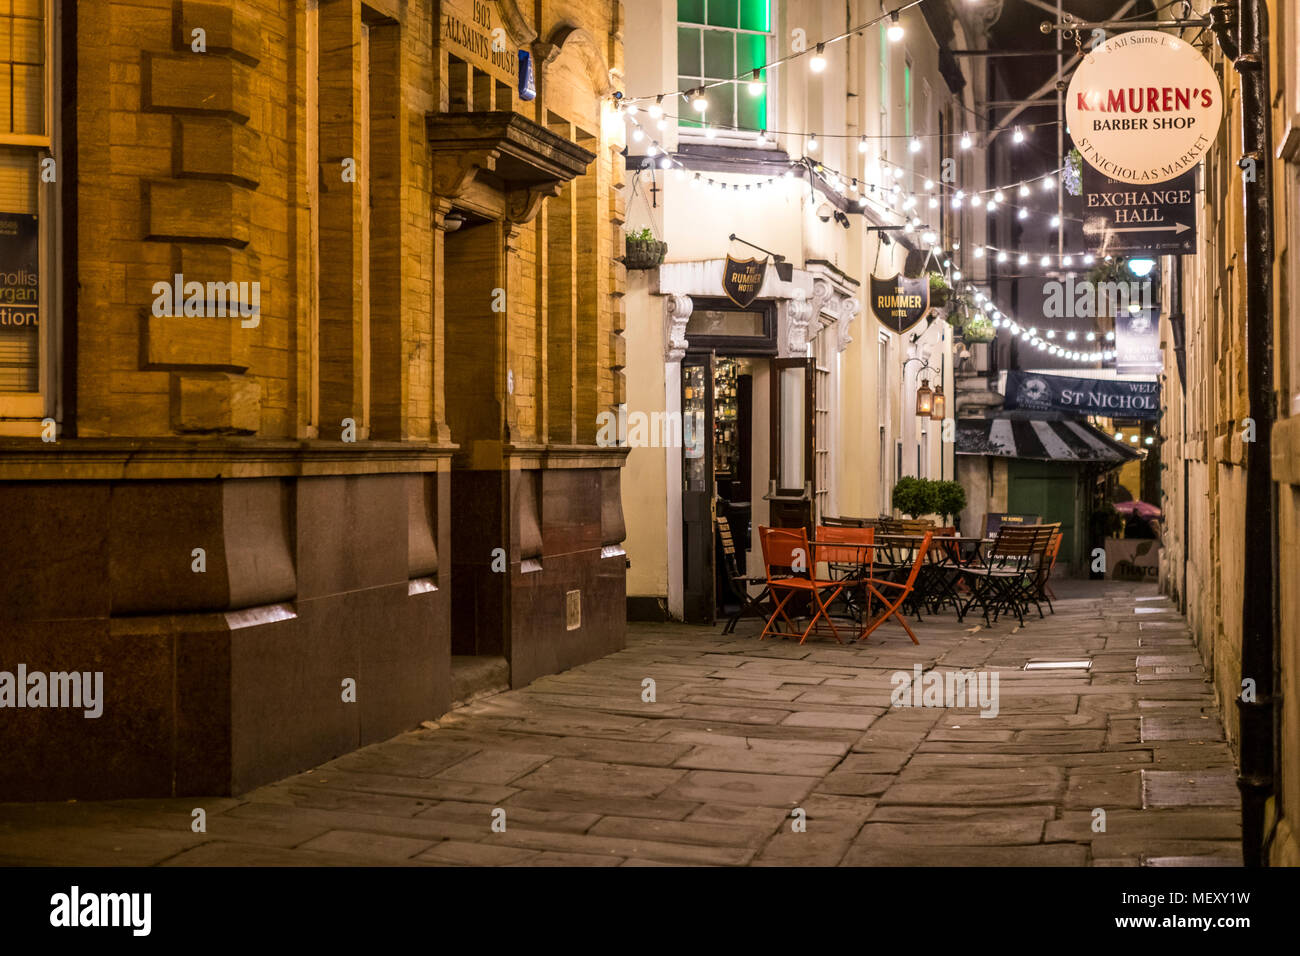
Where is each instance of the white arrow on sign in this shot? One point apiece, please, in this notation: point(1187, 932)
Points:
point(1176, 229)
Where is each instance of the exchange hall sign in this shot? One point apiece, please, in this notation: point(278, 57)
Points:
point(473, 31)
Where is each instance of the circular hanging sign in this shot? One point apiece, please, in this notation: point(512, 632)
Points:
point(1143, 107)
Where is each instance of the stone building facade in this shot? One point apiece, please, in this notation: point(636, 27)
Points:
point(1207, 431)
point(328, 300)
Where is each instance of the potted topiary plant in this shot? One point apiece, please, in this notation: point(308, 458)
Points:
point(914, 497)
point(950, 500)
point(643, 250)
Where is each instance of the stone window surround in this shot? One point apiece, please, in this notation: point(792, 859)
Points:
point(810, 293)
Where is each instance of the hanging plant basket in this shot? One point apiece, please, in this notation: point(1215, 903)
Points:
point(644, 253)
point(939, 290)
point(977, 331)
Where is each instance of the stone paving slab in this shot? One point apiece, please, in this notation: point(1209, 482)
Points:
point(753, 753)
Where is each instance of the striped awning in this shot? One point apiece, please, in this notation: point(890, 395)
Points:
point(1039, 440)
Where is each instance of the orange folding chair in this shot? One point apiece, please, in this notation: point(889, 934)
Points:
point(787, 558)
point(900, 591)
point(850, 563)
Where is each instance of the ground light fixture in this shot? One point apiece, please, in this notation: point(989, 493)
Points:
point(1075, 665)
point(895, 31)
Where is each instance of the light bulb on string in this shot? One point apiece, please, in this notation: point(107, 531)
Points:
point(895, 31)
point(756, 84)
point(1023, 214)
point(862, 145)
point(1048, 183)
point(1055, 221)
point(965, 140)
point(699, 100)
point(1018, 136)
point(1023, 260)
point(818, 61)
point(812, 143)
point(656, 109)
point(914, 145)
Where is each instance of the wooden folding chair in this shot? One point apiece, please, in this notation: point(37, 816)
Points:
point(1002, 580)
point(1046, 546)
point(1053, 551)
point(901, 590)
point(740, 582)
point(787, 550)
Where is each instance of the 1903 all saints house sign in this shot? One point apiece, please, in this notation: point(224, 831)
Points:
point(899, 302)
point(742, 278)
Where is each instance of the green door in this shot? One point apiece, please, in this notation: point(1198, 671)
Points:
point(1052, 491)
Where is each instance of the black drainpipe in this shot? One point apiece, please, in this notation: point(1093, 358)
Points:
point(1178, 326)
point(1255, 778)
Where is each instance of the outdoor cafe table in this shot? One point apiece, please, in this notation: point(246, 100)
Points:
point(893, 554)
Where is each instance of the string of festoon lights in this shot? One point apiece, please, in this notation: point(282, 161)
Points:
point(816, 54)
point(756, 82)
point(889, 198)
point(811, 139)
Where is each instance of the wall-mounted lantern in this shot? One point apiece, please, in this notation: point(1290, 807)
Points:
point(924, 400)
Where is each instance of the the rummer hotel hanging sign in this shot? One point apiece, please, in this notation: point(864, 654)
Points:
point(1143, 107)
point(742, 278)
point(899, 303)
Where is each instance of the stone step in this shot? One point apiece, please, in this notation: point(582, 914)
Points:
point(473, 678)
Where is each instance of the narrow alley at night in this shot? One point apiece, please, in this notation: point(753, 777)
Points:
point(698, 433)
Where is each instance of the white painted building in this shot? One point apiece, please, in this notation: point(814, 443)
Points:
point(806, 400)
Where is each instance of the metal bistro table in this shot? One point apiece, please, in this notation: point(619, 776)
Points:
point(938, 580)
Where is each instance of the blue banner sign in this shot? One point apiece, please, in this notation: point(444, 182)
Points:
point(1082, 396)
